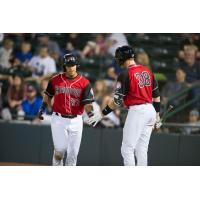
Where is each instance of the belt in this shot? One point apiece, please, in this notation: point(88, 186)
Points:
point(65, 116)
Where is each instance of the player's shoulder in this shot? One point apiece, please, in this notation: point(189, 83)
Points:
point(84, 79)
point(56, 76)
point(145, 68)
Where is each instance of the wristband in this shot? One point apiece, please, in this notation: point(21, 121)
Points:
point(106, 110)
point(156, 105)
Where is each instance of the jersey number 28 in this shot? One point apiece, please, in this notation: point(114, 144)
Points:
point(143, 79)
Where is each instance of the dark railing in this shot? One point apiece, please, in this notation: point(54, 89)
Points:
point(184, 105)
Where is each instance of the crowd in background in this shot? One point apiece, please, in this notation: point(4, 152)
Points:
point(27, 61)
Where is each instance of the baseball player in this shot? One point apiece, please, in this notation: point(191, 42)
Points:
point(72, 94)
point(137, 88)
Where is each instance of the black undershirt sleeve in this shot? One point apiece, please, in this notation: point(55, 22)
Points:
point(155, 91)
point(122, 87)
point(50, 90)
point(155, 94)
point(88, 95)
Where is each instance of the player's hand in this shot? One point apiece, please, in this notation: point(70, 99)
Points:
point(158, 123)
point(40, 113)
point(93, 120)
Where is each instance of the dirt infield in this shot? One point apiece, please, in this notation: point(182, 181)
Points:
point(18, 164)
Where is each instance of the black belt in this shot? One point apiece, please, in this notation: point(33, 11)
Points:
point(66, 116)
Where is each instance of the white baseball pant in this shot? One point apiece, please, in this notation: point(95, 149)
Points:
point(136, 134)
point(67, 134)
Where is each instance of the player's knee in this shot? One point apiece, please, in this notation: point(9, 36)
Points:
point(59, 155)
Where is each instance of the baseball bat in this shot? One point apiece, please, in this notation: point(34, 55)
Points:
point(166, 113)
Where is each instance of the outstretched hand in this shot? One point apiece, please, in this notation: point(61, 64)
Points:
point(93, 120)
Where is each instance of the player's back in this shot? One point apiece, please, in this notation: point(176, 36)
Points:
point(140, 85)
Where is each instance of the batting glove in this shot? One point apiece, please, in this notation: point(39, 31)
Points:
point(158, 123)
point(40, 113)
point(93, 120)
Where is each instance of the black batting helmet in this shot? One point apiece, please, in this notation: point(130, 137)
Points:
point(123, 53)
point(69, 60)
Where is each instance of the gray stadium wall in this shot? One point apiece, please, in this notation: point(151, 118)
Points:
point(25, 143)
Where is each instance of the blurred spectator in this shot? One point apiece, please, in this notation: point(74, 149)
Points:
point(100, 43)
point(53, 47)
point(142, 58)
point(72, 44)
point(72, 41)
point(1, 37)
point(190, 65)
point(43, 85)
point(24, 55)
point(1, 101)
point(70, 48)
point(112, 119)
point(100, 91)
point(193, 120)
point(175, 87)
point(115, 40)
point(5, 53)
point(16, 94)
point(32, 103)
point(77, 40)
point(192, 69)
point(190, 40)
point(42, 64)
point(103, 97)
point(113, 71)
point(96, 47)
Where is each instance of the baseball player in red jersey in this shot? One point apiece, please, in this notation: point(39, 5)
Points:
point(72, 94)
point(137, 88)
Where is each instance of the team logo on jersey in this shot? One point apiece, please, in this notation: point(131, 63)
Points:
point(67, 90)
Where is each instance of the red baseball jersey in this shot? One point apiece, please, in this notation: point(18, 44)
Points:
point(70, 95)
point(137, 85)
